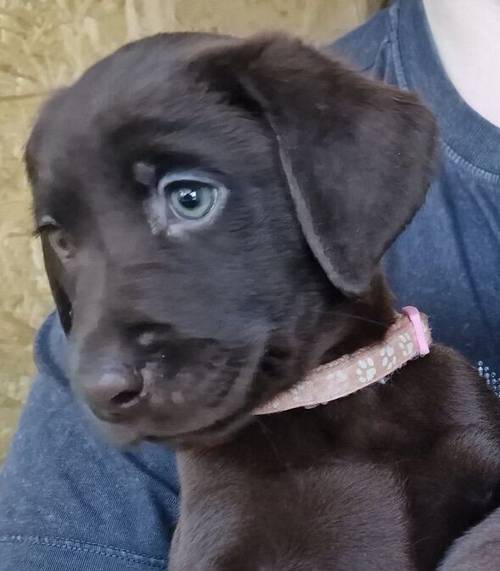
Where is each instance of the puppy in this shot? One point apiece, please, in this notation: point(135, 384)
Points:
point(212, 213)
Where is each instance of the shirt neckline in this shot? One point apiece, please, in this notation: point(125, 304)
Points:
point(469, 138)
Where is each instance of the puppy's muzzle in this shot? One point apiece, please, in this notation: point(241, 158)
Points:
point(164, 386)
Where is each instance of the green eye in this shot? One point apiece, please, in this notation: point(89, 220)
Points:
point(191, 199)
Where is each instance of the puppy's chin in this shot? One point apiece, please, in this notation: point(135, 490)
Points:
point(216, 434)
point(125, 436)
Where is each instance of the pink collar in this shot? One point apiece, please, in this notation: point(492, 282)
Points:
point(409, 337)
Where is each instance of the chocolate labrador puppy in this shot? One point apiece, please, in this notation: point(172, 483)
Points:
point(212, 212)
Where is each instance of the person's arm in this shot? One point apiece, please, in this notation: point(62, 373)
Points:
point(69, 501)
point(478, 549)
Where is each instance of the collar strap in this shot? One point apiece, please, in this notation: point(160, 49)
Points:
point(408, 338)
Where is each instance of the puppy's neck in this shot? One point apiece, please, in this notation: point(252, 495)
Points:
point(326, 330)
point(352, 324)
point(335, 328)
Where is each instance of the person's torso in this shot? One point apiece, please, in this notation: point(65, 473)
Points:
point(447, 262)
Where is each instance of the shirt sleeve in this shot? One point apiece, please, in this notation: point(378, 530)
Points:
point(69, 501)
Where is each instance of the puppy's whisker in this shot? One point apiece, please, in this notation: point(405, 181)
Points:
point(267, 435)
point(360, 318)
point(140, 267)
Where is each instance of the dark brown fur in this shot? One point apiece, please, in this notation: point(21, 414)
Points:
point(324, 169)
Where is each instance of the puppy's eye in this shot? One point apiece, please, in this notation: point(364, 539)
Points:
point(189, 199)
point(61, 243)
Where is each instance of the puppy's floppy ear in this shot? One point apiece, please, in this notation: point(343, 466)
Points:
point(54, 270)
point(53, 266)
point(357, 155)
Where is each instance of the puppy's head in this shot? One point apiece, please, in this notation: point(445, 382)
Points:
point(205, 203)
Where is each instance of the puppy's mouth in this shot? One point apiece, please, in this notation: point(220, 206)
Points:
point(209, 434)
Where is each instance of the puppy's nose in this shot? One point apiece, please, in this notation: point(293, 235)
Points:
point(116, 394)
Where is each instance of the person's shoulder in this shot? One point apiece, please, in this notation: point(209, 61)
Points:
point(366, 44)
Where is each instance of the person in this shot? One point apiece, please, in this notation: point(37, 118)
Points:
point(69, 501)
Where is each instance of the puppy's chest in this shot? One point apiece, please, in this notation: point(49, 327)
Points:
point(371, 494)
point(341, 516)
